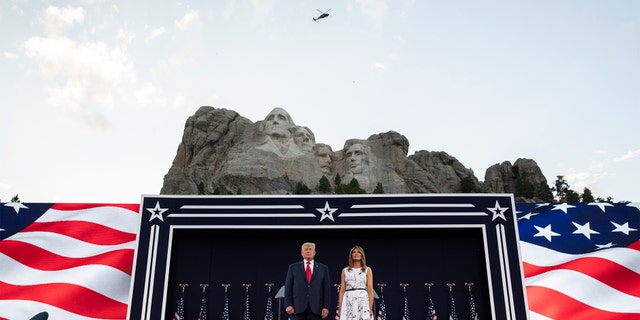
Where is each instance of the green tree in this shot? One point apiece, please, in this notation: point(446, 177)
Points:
point(324, 186)
point(354, 187)
point(379, 189)
point(544, 193)
point(560, 187)
point(302, 188)
point(337, 180)
point(572, 196)
point(587, 196)
point(216, 190)
point(607, 199)
point(15, 198)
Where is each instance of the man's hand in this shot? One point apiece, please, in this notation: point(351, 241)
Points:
point(325, 313)
point(289, 310)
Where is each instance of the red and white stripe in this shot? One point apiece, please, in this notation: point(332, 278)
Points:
point(603, 285)
point(74, 262)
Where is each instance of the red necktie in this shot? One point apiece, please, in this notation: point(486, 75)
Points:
point(308, 271)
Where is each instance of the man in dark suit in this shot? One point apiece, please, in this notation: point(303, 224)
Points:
point(307, 287)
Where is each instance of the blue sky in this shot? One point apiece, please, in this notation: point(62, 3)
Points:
point(96, 93)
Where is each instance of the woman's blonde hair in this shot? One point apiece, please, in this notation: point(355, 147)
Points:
point(363, 261)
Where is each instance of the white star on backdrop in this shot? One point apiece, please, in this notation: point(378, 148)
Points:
point(157, 212)
point(604, 246)
point(16, 206)
point(634, 204)
point(601, 205)
point(563, 206)
point(529, 215)
point(327, 212)
point(498, 212)
point(546, 232)
point(584, 229)
point(624, 228)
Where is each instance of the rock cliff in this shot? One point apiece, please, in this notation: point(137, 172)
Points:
point(224, 153)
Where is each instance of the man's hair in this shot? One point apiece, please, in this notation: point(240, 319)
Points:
point(308, 244)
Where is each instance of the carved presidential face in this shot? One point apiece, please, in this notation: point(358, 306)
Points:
point(304, 138)
point(277, 123)
point(357, 158)
point(323, 154)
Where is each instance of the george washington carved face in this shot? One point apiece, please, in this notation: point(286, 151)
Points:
point(277, 124)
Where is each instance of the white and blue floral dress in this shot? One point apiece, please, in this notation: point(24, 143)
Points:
point(355, 303)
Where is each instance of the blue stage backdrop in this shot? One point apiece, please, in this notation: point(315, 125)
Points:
point(413, 239)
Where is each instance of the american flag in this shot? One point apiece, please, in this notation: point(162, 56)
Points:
point(473, 313)
point(225, 307)
point(382, 309)
point(453, 315)
point(581, 261)
point(431, 310)
point(72, 261)
point(203, 305)
point(268, 315)
point(247, 306)
point(405, 311)
point(179, 315)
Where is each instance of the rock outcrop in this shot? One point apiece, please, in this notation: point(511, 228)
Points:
point(523, 178)
point(224, 153)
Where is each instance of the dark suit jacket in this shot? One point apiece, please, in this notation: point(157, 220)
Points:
point(300, 294)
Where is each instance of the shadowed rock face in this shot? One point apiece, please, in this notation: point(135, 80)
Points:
point(224, 153)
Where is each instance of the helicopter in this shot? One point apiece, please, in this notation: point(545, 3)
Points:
point(322, 15)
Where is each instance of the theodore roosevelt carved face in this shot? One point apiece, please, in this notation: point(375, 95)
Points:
point(324, 155)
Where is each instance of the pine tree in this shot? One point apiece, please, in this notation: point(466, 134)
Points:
point(379, 189)
point(302, 188)
point(324, 186)
point(587, 196)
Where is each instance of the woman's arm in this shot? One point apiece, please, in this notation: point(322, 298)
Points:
point(370, 288)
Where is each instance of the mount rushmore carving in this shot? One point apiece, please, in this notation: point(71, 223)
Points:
point(224, 153)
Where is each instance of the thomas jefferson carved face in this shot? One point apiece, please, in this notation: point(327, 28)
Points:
point(277, 124)
point(357, 157)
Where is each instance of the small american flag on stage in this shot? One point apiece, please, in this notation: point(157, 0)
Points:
point(202, 315)
point(382, 309)
point(581, 261)
point(431, 309)
point(453, 314)
point(72, 261)
point(225, 306)
point(179, 314)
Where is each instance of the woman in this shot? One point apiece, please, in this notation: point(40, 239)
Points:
point(356, 288)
